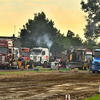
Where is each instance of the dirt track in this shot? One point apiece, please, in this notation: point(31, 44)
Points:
point(49, 85)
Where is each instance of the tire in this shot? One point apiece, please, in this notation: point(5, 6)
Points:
point(93, 71)
point(45, 64)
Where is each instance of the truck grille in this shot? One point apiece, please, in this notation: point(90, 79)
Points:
point(35, 58)
point(97, 63)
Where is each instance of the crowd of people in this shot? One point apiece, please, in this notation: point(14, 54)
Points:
point(63, 64)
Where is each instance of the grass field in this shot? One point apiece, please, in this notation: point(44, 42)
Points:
point(30, 71)
point(38, 69)
point(96, 97)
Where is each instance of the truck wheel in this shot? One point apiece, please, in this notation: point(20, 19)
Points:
point(93, 71)
point(45, 64)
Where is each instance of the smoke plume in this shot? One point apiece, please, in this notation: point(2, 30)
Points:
point(43, 40)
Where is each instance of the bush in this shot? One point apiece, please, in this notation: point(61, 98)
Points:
point(76, 69)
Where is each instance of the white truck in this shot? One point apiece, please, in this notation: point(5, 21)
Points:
point(40, 56)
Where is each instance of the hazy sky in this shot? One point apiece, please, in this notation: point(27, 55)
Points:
point(66, 14)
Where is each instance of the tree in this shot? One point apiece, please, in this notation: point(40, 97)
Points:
point(76, 41)
point(40, 31)
point(70, 34)
point(92, 8)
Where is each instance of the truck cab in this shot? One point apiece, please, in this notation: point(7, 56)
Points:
point(6, 54)
point(79, 58)
point(88, 56)
point(96, 60)
point(40, 56)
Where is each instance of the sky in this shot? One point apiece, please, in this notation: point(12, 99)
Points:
point(66, 14)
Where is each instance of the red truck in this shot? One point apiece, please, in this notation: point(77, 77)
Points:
point(6, 54)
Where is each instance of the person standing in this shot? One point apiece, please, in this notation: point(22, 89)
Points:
point(90, 64)
point(22, 62)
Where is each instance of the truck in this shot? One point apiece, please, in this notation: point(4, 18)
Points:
point(95, 67)
point(7, 54)
point(79, 59)
point(26, 53)
point(41, 56)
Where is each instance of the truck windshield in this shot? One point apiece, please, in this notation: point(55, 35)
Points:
point(36, 53)
point(88, 56)
point(3, 50)
point(97, 54)
point(25, 54)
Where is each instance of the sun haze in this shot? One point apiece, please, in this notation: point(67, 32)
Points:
point(66, 14)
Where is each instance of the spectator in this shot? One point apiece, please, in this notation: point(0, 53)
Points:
point(57, 60)
point(61, 62)
point(22, 62)
point(90, 64)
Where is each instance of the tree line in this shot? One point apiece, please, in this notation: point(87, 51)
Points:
point(40, 31)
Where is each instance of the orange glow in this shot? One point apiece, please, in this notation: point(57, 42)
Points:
point(66, 15)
